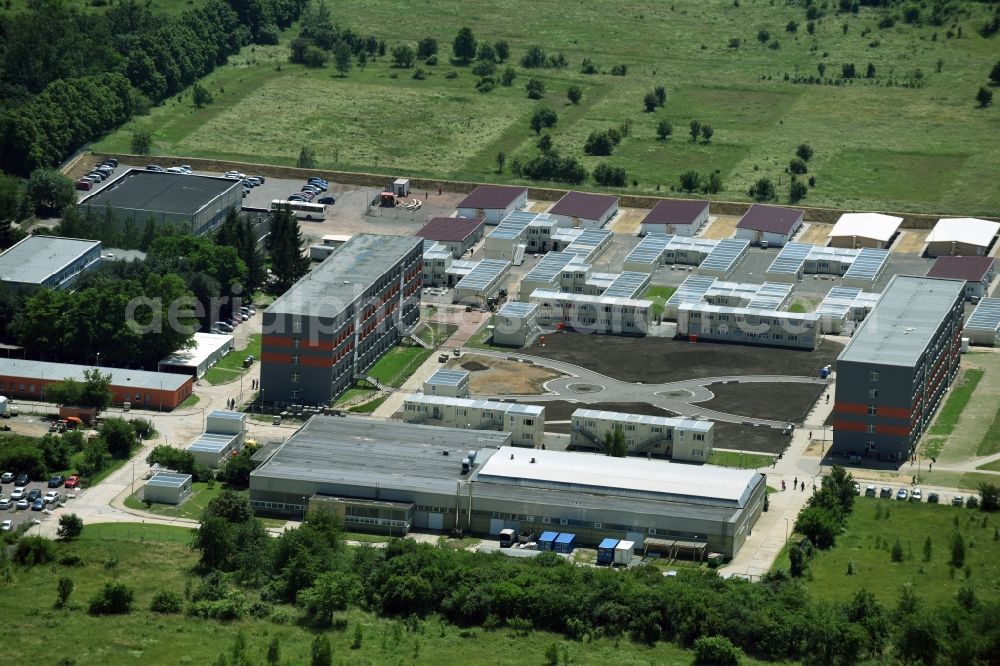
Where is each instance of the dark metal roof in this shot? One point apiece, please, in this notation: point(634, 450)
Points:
point(970, 269)
point(492, 196)
point(675, 211)
point(450, 228)
point(770, 219)
point(585, 205)
point(177, 193)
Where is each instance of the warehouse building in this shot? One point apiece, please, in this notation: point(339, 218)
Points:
point(448, 383)
point(964, 236)
point(325, 332)
point(392, 476)
point(205, 352)
point(482, 283)
point(983, 327)
point(857, 230)
point(977, 272)
point(167, 488)
point(493, 202)
point(770, 226)
point(191, 204)
point(676, 438)
point(142, 389)
point(515, 324)
point(894, 372)
point(748, 326)
point(681, 217)
point(525, 423)
point(583, 313)
point(47, 261)
point(583, 209)
point(458, 234)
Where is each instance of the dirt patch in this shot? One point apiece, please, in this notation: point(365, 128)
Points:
point(722, 226)
point(911, 241)
point(661, 360)
point(776, 402)
point(816, 233)
point(628, 220)
point(497, 376)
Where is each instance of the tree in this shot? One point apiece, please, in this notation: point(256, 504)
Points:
point(661, 95)
point(486, 53)
point(818, 525)
point(119, 436)
point(664, 129)
point(543, 117)
point(990, 497)
point(927, 549)
point(762, 190)
point(614, 443)
point(763, 36)
point(957, 551)
point(695, 130)
point(503, 50)
point(314, 56)
point(322, 653)
point(797, 190)
point(63, 589)
point(49, 191)
point(403, 56)
point(804, 152)
point(501, 160)
point(507, 76)
point(307, 158)
point(715, 651)
point(707, 132)
point(166, 602)
point(690, 180)
point(649, 102)
point(66, 392)
point(114, 599)
point(918, 639)
point(995, 73)
point(897, 551)
point(200, 96)
point(599, 143)
point(797, 560)
point(609, 176)
point(236, 470)
point(274, 652)
point(342, 58)
point(427, 47)
point(331, 592)
point(464, 46)
point(545, 143)
point(574, 94)
point(714, 183)
point(70, 526)
point(95, 392)
point(141, 143)
point(534, 57)
point(797, 166)
point(288, 263)
point(534, 88)
point(984, 97)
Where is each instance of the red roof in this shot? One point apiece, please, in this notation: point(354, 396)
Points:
point(492, 196)
point(450, 228)
point(675, 211)
point(771, 219)
point(584, 205)
point(970, 269)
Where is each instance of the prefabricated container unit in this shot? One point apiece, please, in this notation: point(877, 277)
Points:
point(565, 543)
point(401, 187)
point(547, 541)
point(606, 551)
point(624, 552)
point(225, 422)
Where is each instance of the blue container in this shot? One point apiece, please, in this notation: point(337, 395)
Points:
point(565, 543)
point(547, 540)
point(823, 373)
point(606, 551)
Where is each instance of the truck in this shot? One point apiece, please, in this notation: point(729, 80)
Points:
point(507, 538)
point(7, 409)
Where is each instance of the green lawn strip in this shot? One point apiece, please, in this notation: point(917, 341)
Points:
point(990, 443)
point(398, 364)
point(136, 532)
point(959, 397)
point(866, 544)
point(991, 467)
point(434, 333)
point(230, 367)
point(740, 460)
point(106, 472)
point(191, 401)
point(370, 406)
point(353, 393)
point(659, 294)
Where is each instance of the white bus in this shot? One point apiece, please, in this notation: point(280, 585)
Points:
point(302, 209)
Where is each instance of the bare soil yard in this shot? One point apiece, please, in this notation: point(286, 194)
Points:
point(662, 360)
point(497, 376)
point(778, 402)
point(817, 234)
point(911, 241)
point(721, 226)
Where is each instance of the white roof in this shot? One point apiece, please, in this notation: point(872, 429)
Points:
point(964, 230)
point(472, 403)
point(866, 225)
point(596, 470)
point(205, 344)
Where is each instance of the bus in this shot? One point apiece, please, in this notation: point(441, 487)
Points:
point(302, 209)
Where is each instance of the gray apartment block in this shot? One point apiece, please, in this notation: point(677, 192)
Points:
point(894, 372)
point(336, 322)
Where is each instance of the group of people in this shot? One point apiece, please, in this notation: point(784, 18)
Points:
point(795, 484)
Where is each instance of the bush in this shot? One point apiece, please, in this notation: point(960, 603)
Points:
point(166, 602)
point(452, 74)
point(990, 493)
point(734, 42)
point(574, 94)
point(535, 89)
point(649, 102)
point(715, 651)
point(141, 142)
point(609, 176)
point(268, 34)
point(664, 129)
point(534, 58)
point(70, 526)
point(114, 599)
point(484, 68)
point(432, 61)
point(797, 166)
point(486, 84)
point(542, 118)
point(314, 56)
point(426, 48)
point(797, 190)
point(419, 74)
point(619, 70)
point(804, 152)
point(598, 143)
point(588, 67)
point(143, 428)
point(973, 502)
point(550, 166)
point(32, 550)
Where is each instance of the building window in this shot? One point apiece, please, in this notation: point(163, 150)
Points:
point(529, 422)
point(563, 521)
point(871, 410)
point(296, 326)
point(295, 394)
point(295, 360)
point(870, 446)
point(295, 343)
point(874, 375)
point(598, 526)
point(295, 378)
point(871, 427)
point(872, 393)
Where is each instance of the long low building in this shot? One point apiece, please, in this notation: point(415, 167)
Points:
point(676, 438)
point(983, 327)
point(390, 477)
point(749, 326)
point(206, 350)
point(963, 236)
point(525, 423)
point(143, 389)
point(843, 308)
point(584, 313)
point(716, 258)
point(47, 261)
point(705, 289)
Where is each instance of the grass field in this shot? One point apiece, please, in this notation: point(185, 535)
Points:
point(921, 147)
point(230, 366)
point(967, 425)
point(990, 443)
point(368, 407)
point(398, 364)
point(191, 401)
point(991, 467)
point(37, 630)
point(740, 460)
point(434, 333)
point(948, 417)
point(867, 542)
point(659, 294)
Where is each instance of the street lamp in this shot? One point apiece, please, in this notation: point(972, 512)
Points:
point(98, 362)
point(786, 530)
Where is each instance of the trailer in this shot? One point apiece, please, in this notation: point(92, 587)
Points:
point(606, 551)
point(624, 552)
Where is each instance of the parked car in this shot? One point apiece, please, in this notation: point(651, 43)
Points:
point(5, 504)
point(916, 495)
point(248, 361)
point(902, 494)
point(33, 494)
point(7, 525)
point(96, 176)
point(957, 500)
point(51, 497)
point(8, 477)
point(297, 197)
point(326, 201)
point(933, 498)
point(111, 161)
point(857, 488)
point(155, 167)
point(223, 326)
point(175, 170)
point(311, 188)
point(870, 490)
point(73, 481)
point(22, 480)
point(84, 185)
point(22, 505)
point(216, 331)
point(57, 481)
point(186, 167)
point(885, 492)
point(18, 494)
point(254, 180)
point(104, 168)
point(316, 180)
point(38, 504)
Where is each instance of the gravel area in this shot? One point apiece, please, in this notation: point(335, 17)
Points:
point(777, 402)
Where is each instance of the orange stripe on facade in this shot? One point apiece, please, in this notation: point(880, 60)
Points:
point(850, 408)
point(271, 357)
point(316, 361)
point(902, 431)
point(851, 426)
point(276, 341)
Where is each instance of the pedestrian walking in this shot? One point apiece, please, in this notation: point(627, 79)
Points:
point(803, 486)
point(782, 485)
point(796, 482)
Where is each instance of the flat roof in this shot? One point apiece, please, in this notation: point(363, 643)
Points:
point(586, 205)
point(629, 476)
point(473, 403)
point(624, 417)
point(37, 257)
point(790, 259)
point(594, 299)
point(650, 249)
point(517, 309)
point(970, 269)
point(345, 275)
point(168, 479)
point(692, 290)
point(903, 321)
point(120, 377)
point(866, 225)
point(868, 265)
point(627, 284)
point(445, 377)
point(450, 228)
point(726, 255)
point(205, 345)
point(839, 300)
point(177, 193)
point(212, 442)
point(751, 312)
point(970, 230)
point(484, 275)
point(227, 414)
point(675, 211)
point(549, 267)
point(986, 316)
point(492, 196)
point(770, 219)
point(770, 296)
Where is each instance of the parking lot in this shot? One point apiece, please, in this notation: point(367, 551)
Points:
point(19, 516)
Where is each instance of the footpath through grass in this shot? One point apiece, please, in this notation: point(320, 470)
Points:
point(230, 367)
point(873, 528)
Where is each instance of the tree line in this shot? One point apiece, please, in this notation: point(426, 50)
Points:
point(67, 77)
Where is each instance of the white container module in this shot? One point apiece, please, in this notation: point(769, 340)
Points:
point(225, 422)
point(624, 552)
